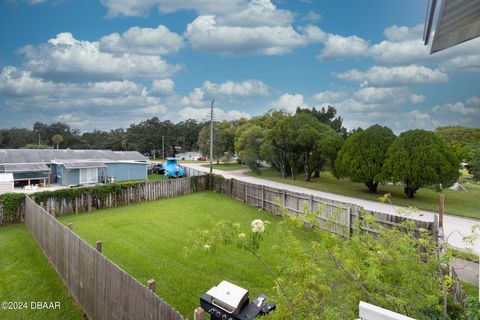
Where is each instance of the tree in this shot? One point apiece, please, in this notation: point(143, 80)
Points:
point(327, 116)
point(301, 141)
point(326, 276)
point(57, 139)
point(248, 143)
point(474, 165)
point(223, 139)
point(420, 159)
point(363, 154)
point(317, 142)
point(462, 139)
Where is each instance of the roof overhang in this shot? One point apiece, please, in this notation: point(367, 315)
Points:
point(83, 164)
point(26, 167)
point(458, 21)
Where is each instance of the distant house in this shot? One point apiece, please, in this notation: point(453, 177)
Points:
point(72, 167)
point(191, 155)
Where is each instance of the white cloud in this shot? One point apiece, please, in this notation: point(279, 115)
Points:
point(258, 13)
point(397, 95)
point(329, 97)
point(162, 87)
point(384, 76)
point(18, 83)
point(404, 46)
point(354, 105)
point(457, 108)
point(246, 88)
point(149, 41)
point(473, 101)
point(204, 34)
point(312, 16)
point(339, 47)
point(201, 114)
point(289, 102)
point(403, 33)
point(142, 7)
point(64, 57)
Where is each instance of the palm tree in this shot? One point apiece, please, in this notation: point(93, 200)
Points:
point(57, 139)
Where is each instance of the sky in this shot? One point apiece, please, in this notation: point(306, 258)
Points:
point(105, 64)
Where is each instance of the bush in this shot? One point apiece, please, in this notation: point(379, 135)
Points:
point(11, 204)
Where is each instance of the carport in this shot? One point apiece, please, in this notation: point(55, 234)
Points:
point(29, 172)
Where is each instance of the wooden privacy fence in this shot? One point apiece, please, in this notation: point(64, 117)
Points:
point(140, 192)
point(334, 216)
point(100, 287)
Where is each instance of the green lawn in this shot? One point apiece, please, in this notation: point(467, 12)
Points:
point(459, 203)
point(148, 240)
point(156, 176)
point(26, 275)
point(227, 166)
point(470, 289)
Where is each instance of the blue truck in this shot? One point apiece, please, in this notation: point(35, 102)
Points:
point(172, 169)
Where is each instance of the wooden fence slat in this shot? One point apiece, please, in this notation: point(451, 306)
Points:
point(101, 288)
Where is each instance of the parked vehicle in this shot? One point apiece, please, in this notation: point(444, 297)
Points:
point(172, 169)
point(158, 168)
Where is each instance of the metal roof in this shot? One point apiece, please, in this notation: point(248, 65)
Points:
point(47, 155)
point(83, 164)
point(26, 167)
point(458, 21)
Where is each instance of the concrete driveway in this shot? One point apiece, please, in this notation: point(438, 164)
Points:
point(454, 227)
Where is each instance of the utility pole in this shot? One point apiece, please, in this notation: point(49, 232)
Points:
point(211, 137)
point(163, 148)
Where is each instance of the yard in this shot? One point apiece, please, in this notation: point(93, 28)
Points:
point(456, 202)
point(151, 240)
point(27, 276)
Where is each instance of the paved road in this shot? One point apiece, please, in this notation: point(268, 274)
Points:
point(454, 227)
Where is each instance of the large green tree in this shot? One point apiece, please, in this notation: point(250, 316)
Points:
point(420, 159)
point(223, 139)
point(474, 164)
point(328, 116)
point(248, 143)
point(301, 141)
point(462, 139)
point(363, 154)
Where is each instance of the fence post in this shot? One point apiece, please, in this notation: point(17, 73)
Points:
point(441, 210)
point(263, 197)
point(70, 226)
point(349, 221)
point(311, 203)
point(99, 246)
point(151, 285)
point(284, 198)
point(198, 314)
point(245, 192)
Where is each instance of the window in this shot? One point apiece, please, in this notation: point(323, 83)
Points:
point(89, 175)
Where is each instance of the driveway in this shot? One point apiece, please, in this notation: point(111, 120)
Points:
point(454, 227)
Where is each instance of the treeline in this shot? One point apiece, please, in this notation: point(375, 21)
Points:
point(310, 140)
point(303, 143)
point(145, 137)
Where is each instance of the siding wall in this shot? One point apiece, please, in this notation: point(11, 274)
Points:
point(127, 171)
point(73, 176)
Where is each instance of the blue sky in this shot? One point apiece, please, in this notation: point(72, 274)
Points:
point(106, 64)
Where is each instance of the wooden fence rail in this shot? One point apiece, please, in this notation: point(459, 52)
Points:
point(144, 191)
point(101, 288)
point(334, 216)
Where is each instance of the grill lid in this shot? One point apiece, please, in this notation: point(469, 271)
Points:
point(228, 297)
